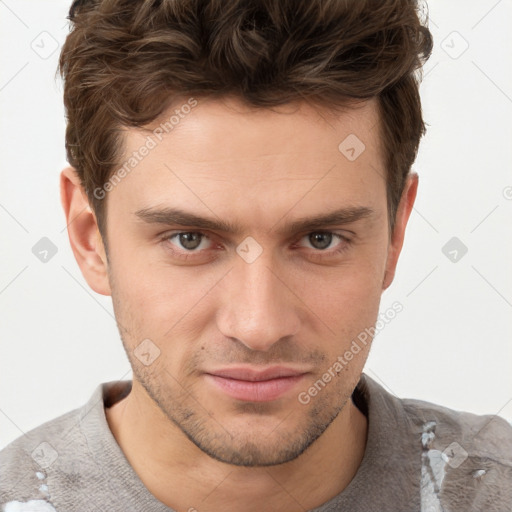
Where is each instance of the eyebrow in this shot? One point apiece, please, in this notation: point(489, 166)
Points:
point(176, 216)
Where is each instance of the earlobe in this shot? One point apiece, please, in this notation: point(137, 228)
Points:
point(83, 232)
point(397, 238)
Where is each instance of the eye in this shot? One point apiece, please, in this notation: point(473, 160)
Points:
point(190, 241)
point(188, 245)
point(322, 240)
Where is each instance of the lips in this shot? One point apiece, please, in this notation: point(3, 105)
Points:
point(249, 374)
point(255, 385)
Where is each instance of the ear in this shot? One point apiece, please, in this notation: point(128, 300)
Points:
point(83, 232)
point(397, 237)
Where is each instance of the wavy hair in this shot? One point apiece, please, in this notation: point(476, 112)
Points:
point(125, 62)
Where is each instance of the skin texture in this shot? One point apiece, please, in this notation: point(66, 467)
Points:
point(298, 304)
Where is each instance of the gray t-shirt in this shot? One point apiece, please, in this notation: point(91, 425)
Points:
point(419, 457)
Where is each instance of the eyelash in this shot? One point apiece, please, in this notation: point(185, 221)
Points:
point(344, 245)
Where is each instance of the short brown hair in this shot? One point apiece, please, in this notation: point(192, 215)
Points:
point(125, 62)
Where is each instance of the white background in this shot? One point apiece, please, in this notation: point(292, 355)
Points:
point(451, 344)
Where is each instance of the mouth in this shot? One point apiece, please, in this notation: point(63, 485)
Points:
point(253, 385)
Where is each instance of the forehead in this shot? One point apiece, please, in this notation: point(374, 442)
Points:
point(252, 132)
point(225, 152)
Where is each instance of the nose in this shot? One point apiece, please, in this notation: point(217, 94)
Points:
point(258, 305)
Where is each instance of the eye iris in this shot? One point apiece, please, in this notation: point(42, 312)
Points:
point(325, 239)
point(190, 240)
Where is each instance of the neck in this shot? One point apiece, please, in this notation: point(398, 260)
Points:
point(170, 465)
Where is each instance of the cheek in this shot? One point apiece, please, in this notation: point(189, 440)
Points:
point(142, 280)
point(141, 293)
point(159, 302)
point(348, 311)
point(346, 297)
point(346, 306)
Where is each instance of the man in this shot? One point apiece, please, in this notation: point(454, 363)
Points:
point(240, 184)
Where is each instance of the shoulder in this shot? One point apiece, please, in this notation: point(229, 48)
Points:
point(466, 458)
point(52, 456)
point(484, 436)
point(480, 435)
point(25, 461)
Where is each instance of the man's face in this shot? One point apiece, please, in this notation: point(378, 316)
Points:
point(268, 294)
